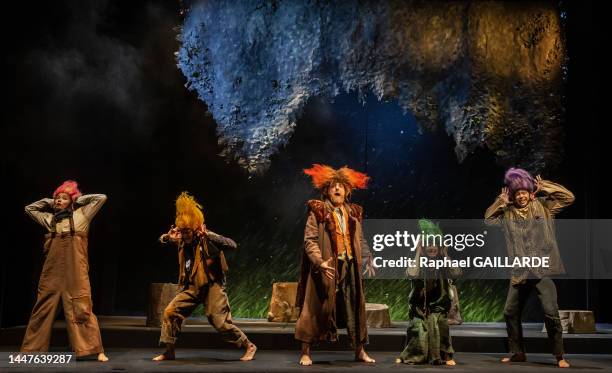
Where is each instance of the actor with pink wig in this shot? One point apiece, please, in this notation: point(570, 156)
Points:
point(525, 210)
point(65, 277)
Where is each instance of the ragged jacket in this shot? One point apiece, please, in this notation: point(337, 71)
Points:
point(85, 208)
point(316, 294)
point(530, 232)
point(209, 261)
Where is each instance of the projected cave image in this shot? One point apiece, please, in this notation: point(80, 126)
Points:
point(291, 84)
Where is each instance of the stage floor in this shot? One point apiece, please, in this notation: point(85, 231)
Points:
point(131, 332)
point(226, 360)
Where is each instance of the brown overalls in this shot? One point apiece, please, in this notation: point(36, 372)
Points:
point(65, 276)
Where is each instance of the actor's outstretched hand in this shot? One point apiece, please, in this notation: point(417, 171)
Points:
point(174, 234)
point(538, 184)
point(504, 195)
point(327, 269)
point(369, 268)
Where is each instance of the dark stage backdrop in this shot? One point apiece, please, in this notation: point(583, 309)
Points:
point(93, 94)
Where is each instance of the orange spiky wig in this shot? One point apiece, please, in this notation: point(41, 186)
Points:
point(323, 176)
point(188, 212)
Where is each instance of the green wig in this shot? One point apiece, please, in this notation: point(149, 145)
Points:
point(429, 227)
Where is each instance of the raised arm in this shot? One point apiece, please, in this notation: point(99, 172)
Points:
point(311, 240)
point(36, 211)
point(90, 204)
point(556, 197)
point(495, 212)
point(172, 236)
point(224, 242)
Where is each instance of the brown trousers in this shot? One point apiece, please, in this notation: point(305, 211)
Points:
point(212, 295)
point(64, 277)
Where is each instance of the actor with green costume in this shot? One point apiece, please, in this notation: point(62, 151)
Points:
point(427, 336)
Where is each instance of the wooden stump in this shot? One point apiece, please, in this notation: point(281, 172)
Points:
point(576, 321)
point(160, 294)
point(282, 304)
point(377, 315)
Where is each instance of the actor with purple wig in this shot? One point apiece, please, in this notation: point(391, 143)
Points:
point(525, 210)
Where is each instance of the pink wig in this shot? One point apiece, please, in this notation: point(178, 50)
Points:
point(69, 187)
point(518, 179)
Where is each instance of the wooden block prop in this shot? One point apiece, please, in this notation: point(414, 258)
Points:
point(576, 322)
point(377, 315)
point(160, 294)
point(282, 304)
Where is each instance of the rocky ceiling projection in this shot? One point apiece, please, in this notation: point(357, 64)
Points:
point(489, 73)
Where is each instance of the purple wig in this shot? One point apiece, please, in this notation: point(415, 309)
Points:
point(517, 179)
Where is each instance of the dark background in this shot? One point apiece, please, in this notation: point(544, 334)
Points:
point(93, 94)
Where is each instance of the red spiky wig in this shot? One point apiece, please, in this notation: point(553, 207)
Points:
point(69, 187)
point(323, 175)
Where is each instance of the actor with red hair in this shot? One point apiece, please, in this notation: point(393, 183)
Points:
point(528, 223)
point(65, 275)
point(330, 293)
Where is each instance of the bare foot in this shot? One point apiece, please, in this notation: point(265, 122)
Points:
point(305, 360)
point(517, 357)
point(102, 357)
point(562, 363)
point(363, 356)
point(451, 362)
point(249, 354)
point(165, 356)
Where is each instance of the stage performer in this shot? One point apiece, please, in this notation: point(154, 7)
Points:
point(330, 291)
point(525, 210)
point(65, 276)
point(428, 337)
point(202, 268)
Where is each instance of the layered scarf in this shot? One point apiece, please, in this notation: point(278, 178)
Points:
point(62, 214)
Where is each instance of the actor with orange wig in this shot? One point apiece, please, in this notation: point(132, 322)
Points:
point(64, 276)
point(330, 293)
point(202, 268)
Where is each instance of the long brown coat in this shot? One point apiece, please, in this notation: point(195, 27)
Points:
point(316, 294)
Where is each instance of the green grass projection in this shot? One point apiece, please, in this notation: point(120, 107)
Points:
point(254, 270)
point(480, 300)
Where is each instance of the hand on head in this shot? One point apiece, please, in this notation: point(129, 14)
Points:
point(505, 195)
point(538, 184)
point(174, 233)
point(202, 230)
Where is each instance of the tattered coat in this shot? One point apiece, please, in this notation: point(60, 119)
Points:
point(316, 296)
